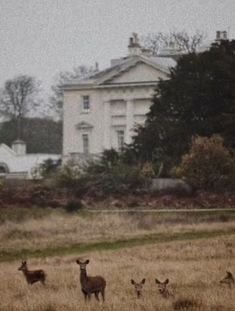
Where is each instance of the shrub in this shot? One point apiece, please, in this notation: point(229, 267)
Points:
point(69, 176)
point(208, 165)
point(116, 178)
point(73, 206)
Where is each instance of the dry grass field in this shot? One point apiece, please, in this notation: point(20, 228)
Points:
point(193, 262)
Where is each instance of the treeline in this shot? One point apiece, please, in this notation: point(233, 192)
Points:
point(40, 135)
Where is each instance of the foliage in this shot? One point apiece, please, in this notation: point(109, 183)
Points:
point(181, 40)
point(40, 135)
point(19, 97)
point(69, 176)
point(197, 99)
point(106, 178)
point(48, 167)
point(73, 206)
point(208, 165)
point(103, 176)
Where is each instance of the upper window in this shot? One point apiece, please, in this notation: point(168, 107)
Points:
point(86, 103)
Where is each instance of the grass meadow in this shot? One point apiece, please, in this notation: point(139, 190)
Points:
point(193, 250)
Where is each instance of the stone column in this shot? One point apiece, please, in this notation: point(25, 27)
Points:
point(107, 126)
point(129, 120)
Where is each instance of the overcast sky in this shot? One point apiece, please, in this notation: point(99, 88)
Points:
point(43, 37)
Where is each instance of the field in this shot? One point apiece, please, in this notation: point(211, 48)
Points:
point(192, 249)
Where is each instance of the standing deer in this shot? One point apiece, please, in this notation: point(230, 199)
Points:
point(229, 279)
point(91, 284)
point(32, 276)
point(138, 287)
point(162, 287)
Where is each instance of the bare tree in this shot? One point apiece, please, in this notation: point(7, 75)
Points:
point(185, 42)
point(181, 40)
point(19, 97)
point(153, 42)
point(56, 99)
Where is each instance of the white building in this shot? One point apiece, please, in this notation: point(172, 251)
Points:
point(101, 111)
point(16, 163)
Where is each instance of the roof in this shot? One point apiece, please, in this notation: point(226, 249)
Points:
point(162, 64)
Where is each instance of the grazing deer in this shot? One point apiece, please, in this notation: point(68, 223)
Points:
point(162, 288)
point(229, 279)
point(138, 287)
point(91, 284)
point(32, 276)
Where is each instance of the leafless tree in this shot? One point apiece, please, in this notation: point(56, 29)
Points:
point(181, 40)
point(56, 99)
point(19, 97)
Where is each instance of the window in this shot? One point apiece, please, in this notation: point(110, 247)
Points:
point(120, 139)
point(85, 143)
point(86, 103)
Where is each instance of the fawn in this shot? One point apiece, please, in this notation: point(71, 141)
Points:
point(91, 284)
point(32, 276)
point(162, 288)
point(138, 287)
point(229, 279)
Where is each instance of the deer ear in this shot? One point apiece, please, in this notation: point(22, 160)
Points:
point(143, 281)
point(87, 261)
point(157, 281)
point(166, 281)
point(78, 261)
point(132, 282)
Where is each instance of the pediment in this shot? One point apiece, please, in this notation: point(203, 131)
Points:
point(139, 72)
point(84, 126)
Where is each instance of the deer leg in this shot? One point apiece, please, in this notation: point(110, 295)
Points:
point(97, 296)
point(85, 295)
point(103, 294)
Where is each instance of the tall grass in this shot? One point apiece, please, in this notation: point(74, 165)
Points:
point(194, 269)
point(59, 230)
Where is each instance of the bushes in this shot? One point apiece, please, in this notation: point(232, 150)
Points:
point(103, 179)
point(73, 206)
point(107, 175)
point(208, 165)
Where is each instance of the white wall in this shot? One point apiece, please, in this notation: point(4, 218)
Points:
point(22, 163)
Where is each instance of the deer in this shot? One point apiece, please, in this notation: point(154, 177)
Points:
point(32, 276)
point(91, 284)
point(138, 287)
point(229, 279)
point(162, 287)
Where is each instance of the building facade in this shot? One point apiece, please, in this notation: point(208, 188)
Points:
point(100, 112)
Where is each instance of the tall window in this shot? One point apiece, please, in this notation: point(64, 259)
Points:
point(86, 103)
point(85, 143)
point(120, 139)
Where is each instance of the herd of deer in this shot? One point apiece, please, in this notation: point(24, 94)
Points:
point(96, 284)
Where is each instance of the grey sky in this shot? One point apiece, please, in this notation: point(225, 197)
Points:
point(43, 37)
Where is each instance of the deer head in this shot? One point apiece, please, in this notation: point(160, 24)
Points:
point(82, 264)
point(229, 279)
point(162, 287)
point(23, 266)
point(138, 287)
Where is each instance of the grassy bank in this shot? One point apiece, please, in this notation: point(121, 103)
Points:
point(81, 248)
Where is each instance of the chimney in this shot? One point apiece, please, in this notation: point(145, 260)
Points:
point(134, 46)
point(221, 35)
point(19, 146)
